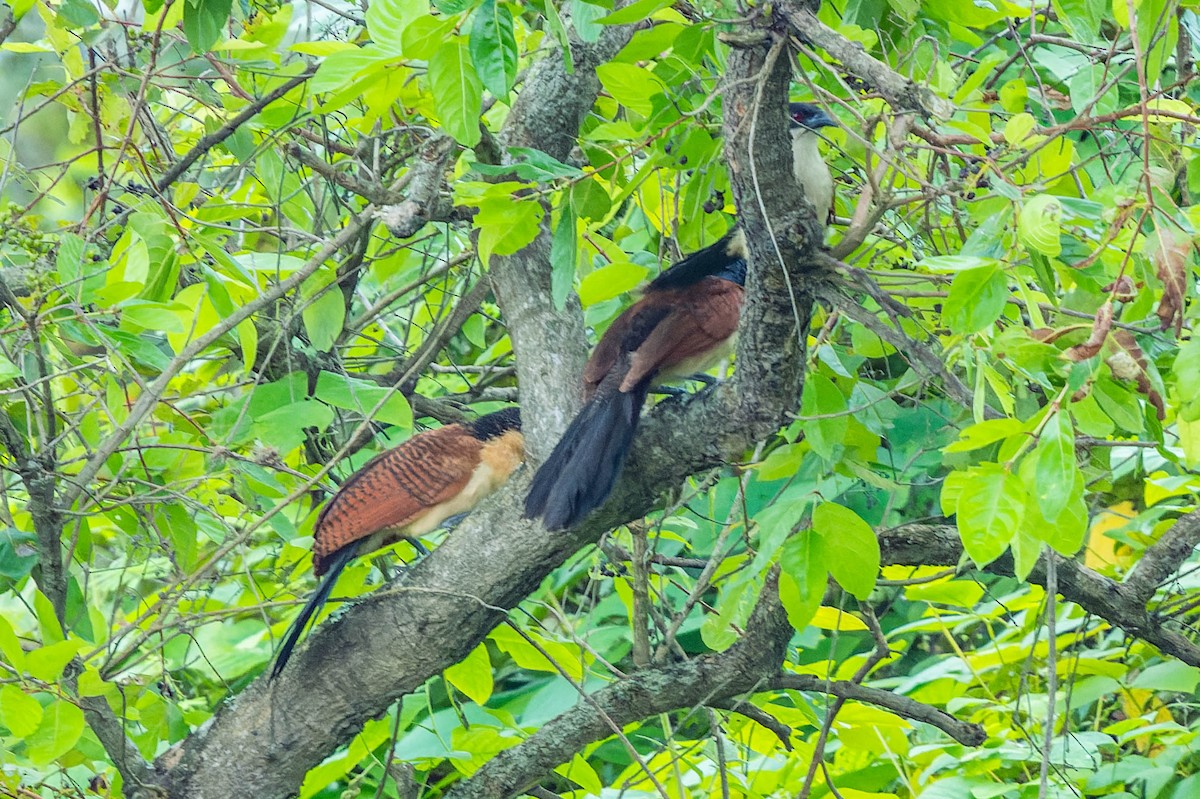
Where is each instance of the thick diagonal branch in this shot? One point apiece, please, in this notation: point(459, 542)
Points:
point(707, 680)
point(1116, 603)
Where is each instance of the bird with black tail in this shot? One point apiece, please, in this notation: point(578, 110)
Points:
point(684, 323)
point(407, 492)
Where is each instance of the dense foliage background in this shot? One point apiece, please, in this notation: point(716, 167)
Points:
point(246, 246)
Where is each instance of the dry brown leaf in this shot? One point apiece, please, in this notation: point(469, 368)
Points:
point(1169, 252)
point(1128, 362)
point(1123, 289)
point(1100, 328)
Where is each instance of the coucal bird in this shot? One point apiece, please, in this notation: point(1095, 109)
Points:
point(684, 323)
point(808, 168)
point(407, 492)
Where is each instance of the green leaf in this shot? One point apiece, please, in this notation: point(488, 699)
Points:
point(473, 675)
point(802, 578)
point(493, 47)
point(1085, 87)
point(632, 86)
point(530, 164)
point(204, 22)
point(324, 311)
point(18, 553)
point(457, 92)
point(284, 428)
point(824, 410)
point(387, 21)
point(976, 299)
point(564, 255)
point(851, 549)
point(507, 224)
point(10, 646)
point(634, 12)
point(1055, 469)
point(19, 711)
point(944, 264)
point(1039, 224)
point(46, 663)
point(1186, 370)
point(990, 505)
point(584, 18)
point(565, 656)
point(1081, 17)
point(982, 434)
point(1171, 676)
point(62, 724)
point(610, 281)
point(363, 396)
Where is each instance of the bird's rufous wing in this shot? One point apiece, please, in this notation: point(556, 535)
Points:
point(702, 317)
point(395, 488)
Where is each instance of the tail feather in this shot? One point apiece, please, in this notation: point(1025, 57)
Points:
point(336, 562)
point(581, 471)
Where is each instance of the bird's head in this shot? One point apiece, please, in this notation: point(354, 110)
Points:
point(806, 116)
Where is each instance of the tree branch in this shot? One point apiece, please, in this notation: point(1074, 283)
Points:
point(1116, 603)
point(900, 92)
point(961, 731)
point(707, 680)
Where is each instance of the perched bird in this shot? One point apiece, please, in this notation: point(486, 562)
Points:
point(808, 167)
point(683, 324)
point(407, 492)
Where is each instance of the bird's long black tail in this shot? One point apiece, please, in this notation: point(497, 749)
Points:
point(581, 471)
point(337, 562)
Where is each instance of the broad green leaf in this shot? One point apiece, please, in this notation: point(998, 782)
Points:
point(387, 20)
point(284, 427)
point(1186, 370)
point(1081, 17)
point(204, 22)
point(630, 85)
point(580, 772)
point(802, 578)
point(976, 299)
point(851, 549)
point(506, 225)
point(584, 18)
point(10, 646)
point(1170, 676)
point(1085, 87)
point(566, 657)
point(1055, 468)
point(1018, 128)
point(990, 505)
point(363, 396)
point(61, 726)
point(19, 711)
point(955, 263)
point(18, 553)
point(494, 47)
point(823, 407)
point(473, 675)
point(46, 663)
point(636, 11)
point(324, 312)
point(610, 281)
point(827, 618)
point(457, 92)
point(564, 254)
point(1039, 224)
point(982, 434)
